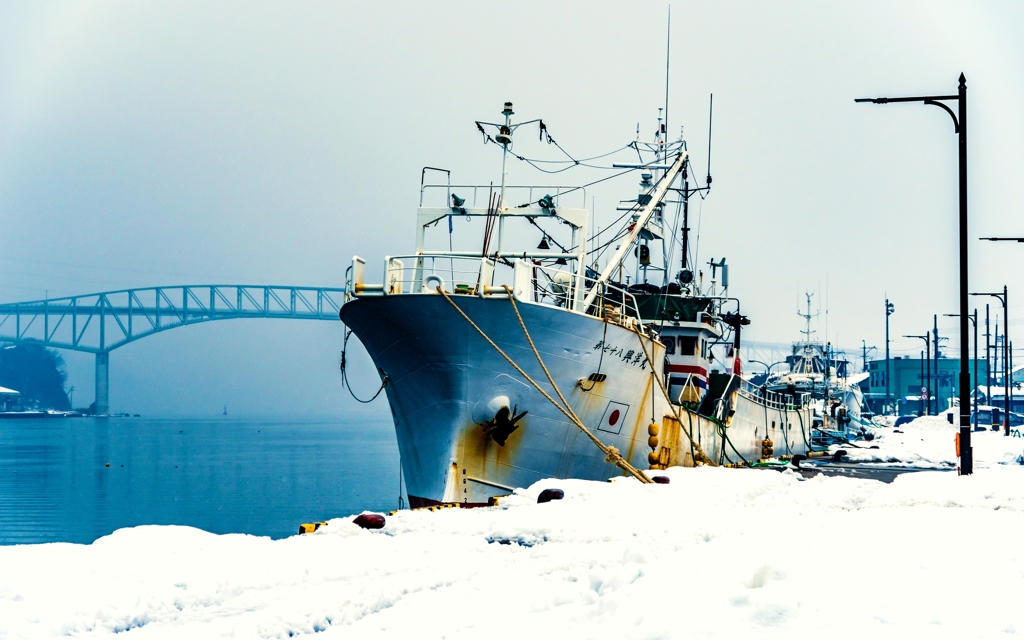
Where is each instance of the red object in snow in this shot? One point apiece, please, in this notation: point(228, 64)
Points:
point(369, 521)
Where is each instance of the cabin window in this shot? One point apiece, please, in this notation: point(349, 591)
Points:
point(687, 345)
point(670, 344)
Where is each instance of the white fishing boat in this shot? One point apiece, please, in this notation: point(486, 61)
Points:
point(505, 364)
point(816, 369)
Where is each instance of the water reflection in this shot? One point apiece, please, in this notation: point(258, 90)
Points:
point(224, 475)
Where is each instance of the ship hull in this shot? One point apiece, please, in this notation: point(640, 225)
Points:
point(445, 382)
point(447, 388)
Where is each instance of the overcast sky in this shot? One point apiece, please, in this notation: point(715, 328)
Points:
point(173, 143)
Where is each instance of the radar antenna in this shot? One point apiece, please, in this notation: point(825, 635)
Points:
point(807, 317)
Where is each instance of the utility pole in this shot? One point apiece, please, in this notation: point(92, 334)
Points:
point(938, 384)
point(890, 308)
point(997, 351)
point(976, 381)
point(1004, 298)
point(960, 128)
point(988, 366)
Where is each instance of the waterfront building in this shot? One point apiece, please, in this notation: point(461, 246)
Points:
point(910, 375)
point(10, 400)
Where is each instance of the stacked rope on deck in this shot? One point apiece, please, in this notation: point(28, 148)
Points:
point(612, 454)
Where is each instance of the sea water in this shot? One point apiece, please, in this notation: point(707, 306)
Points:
point(77, 479)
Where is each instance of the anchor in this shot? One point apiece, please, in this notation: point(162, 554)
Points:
point(501, 426)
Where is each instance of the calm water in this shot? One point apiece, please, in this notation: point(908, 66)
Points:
point(227, 475)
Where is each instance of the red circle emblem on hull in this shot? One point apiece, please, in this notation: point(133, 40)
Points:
point(613, 417)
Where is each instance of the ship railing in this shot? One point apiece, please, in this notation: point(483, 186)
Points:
point(456, 274)
point(773, 399)
point(477, 276)
point(561, 288)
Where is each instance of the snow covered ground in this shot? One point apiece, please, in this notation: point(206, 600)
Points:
point(929, 442)
point(718, 553)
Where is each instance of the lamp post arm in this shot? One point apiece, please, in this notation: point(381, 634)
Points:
point(956, 125)
point(914, 99)
point(957, 315)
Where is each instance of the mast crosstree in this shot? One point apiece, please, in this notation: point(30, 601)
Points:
point(808, 317)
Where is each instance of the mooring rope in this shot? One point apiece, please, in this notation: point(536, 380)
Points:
point(344, 374)
point(612, 454)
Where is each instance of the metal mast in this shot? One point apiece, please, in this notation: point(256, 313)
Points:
point(641, 222)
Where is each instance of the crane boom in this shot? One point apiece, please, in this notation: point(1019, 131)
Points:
point(645, 216)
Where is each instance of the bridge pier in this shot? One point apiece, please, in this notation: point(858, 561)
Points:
point(102, 383)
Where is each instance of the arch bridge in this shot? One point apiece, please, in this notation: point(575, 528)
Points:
point(98, 323)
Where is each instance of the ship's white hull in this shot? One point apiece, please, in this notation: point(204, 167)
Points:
point(446, 384)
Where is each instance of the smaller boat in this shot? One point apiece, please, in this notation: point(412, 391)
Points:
point(815, 369)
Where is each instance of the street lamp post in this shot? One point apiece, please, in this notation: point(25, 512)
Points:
point(928, 384)
point(974, 320)
point(1004, 298)
point(865, 350)
point(959, 127)
point(890, 308)
point(988, 361)
point(768, 367)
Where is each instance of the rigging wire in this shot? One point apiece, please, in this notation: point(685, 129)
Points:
point(604, 248)
point(573, 162)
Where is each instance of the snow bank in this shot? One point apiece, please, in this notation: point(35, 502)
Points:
point(928, 442)
point(715, 554)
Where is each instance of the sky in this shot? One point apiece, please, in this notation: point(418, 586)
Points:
point(148, 144)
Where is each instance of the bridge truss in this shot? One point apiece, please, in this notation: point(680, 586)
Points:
point(101, 322)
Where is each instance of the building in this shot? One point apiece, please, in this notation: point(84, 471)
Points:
point(997, 397)
point(10, 400)
point(909, 376)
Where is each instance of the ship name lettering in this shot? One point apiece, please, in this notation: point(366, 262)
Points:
point(630, 357)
